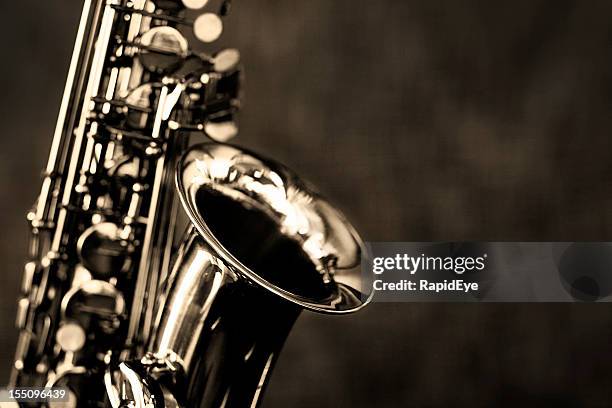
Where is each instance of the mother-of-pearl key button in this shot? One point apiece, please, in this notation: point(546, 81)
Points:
point(71, 337)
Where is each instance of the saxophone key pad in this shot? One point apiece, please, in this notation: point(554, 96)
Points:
point(162, 49)
point(70, 337)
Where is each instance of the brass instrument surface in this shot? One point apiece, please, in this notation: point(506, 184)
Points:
point(119, 304)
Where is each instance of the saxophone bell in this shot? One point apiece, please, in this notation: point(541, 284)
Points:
point(262, 246)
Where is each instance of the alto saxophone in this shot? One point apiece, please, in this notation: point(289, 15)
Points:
point(165, 272)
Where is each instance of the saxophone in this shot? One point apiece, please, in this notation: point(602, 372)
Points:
point(166, 266)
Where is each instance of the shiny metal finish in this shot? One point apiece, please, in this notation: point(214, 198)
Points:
point(163, 275)
point(262, 246)
point(324, 276)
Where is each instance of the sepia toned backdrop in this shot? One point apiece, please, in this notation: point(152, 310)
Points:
point(423, 120)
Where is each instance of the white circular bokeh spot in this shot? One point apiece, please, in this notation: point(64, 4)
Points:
point(195, 4)
point(208, 27)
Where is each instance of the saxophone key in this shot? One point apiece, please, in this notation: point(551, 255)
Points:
point(221, 131)
point(44, 328)
point(138, 106)
point(162, 49)
point(94, 300)
point(226, 60)
point(70, 337)
point(29, 270)
point(23, 306)
point(102, 252)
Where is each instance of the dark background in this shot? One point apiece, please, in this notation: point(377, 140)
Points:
point(423, 120)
